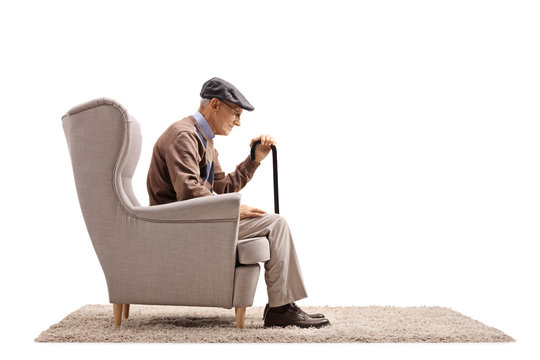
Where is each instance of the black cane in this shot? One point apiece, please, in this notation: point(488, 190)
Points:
point(274, 158)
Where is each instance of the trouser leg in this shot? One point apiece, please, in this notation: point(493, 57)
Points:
point(283, 277)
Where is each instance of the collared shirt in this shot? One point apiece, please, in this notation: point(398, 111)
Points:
point(205, 127)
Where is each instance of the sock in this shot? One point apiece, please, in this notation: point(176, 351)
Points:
point(280, 309)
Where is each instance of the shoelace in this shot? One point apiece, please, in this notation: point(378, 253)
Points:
point(294, 306)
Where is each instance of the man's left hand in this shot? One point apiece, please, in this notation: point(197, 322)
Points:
point(264, 148)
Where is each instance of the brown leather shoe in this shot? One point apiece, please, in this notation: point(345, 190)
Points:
point(290, 315)
point(314, 315)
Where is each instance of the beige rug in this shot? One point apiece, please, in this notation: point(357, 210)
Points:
point(148, 324)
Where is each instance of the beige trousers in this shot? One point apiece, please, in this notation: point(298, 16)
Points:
point(283, 277)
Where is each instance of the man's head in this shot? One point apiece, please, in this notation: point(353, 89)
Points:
point(220, 115)
point(222, 105)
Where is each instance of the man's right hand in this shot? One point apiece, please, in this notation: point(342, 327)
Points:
point(247, 212)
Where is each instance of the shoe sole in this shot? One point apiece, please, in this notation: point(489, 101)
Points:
point(317, 326)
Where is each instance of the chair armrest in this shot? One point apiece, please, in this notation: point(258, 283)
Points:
point(218, 207)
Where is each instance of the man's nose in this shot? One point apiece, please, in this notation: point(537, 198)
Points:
point(237, 122)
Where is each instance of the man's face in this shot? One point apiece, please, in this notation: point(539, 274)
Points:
point(227, 116)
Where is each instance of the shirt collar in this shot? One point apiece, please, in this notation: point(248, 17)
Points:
point(205, 127)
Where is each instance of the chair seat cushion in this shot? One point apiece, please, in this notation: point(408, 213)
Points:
point(253, 251)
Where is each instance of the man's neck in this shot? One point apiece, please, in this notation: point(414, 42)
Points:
point(208, 117)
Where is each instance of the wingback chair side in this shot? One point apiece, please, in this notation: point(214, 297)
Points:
point(182, 253)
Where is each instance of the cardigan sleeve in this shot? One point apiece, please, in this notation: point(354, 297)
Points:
point(236, 180)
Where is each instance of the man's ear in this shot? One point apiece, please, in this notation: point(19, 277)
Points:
point(214, 104)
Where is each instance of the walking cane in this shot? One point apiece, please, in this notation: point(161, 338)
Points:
point(274, 158)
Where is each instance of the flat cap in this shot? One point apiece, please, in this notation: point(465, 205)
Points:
point(223, 90)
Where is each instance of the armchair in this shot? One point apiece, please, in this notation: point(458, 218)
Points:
point(183, 253)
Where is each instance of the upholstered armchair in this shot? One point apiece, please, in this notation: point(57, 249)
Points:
point(183, 253)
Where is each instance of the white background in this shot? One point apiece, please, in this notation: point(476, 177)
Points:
point(408, 152)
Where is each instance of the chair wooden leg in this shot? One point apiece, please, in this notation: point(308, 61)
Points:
point(240, 313)
point(125, 311)
point(117, 310)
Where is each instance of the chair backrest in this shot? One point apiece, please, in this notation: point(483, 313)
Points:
point(104, 143)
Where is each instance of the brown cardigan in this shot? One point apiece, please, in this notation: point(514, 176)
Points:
point(185, 165)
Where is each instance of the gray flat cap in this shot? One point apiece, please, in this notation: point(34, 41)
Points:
point(223, 90)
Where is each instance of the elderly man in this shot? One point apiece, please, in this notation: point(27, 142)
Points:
point(185, 165)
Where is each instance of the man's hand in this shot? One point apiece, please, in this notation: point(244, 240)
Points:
point(250, 212)
point(264, 148)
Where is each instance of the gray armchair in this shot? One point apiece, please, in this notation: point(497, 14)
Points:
point(182, 253)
